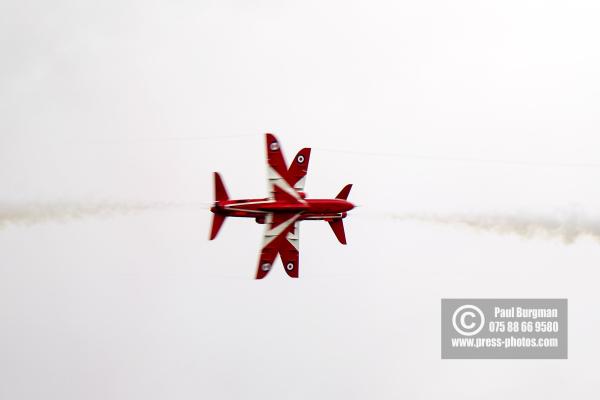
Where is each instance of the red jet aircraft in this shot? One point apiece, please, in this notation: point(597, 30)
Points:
point(283, 210)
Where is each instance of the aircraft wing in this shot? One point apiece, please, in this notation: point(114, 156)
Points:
point(276, 168)
point(289, 251)
point(279, 186)
point(298, 169)
point(275, 240)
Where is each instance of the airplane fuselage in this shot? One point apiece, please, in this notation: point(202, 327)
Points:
point(310, 209)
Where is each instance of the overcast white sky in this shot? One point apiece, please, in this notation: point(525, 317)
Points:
point(101, 101)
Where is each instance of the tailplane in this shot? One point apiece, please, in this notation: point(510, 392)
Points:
point(217, 222)
point(220, 195)
point(220, 191)
point(337, 225)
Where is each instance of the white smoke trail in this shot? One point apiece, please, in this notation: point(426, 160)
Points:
point(38, 212)
point(566, 225)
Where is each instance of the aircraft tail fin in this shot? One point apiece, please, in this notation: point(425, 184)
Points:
point(337, 225)
point(220, 191)
point(343, 194)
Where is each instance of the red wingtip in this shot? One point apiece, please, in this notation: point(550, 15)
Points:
point(270, 138)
